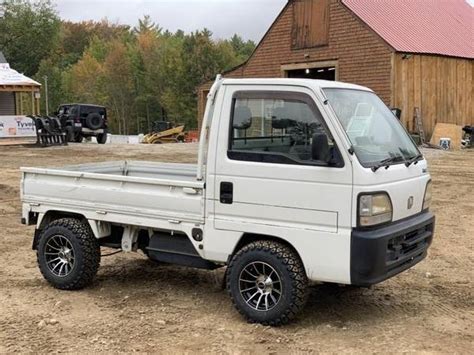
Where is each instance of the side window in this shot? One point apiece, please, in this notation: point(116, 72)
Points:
point(280, 128)
point(84, 111)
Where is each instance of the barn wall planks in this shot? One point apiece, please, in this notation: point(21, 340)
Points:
point(361, 56)
point(441, 86)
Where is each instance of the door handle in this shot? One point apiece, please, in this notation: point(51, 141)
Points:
point(227, 193)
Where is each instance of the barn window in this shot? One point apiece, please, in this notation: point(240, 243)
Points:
point(310, 23)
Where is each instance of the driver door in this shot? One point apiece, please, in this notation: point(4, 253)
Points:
point(271, 179)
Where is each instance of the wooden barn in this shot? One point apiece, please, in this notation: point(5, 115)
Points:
point(417, 53)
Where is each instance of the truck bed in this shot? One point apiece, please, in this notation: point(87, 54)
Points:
point(139, 193)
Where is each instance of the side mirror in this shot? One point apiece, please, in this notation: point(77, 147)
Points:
point(397, 112)
point(320, 148)
point(242, 118)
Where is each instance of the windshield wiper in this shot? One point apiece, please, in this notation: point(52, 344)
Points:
point(414, 160)
point(386, 162)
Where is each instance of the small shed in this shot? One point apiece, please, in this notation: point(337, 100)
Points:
point(19, 94)
point(417, 53)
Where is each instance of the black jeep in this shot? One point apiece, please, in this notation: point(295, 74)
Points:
point(84, 120)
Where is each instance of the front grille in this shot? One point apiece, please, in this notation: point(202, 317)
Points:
point(407, 247)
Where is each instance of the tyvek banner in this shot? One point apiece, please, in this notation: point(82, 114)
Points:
point(17, 126)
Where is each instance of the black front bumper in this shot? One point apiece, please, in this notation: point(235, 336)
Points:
point(378, 254)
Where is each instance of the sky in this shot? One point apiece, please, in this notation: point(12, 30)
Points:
point(249, 18)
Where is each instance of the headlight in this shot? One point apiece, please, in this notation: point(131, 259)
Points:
point(374, 209)
point(427, 199)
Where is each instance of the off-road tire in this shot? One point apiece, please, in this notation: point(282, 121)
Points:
point(102, 138)
point(86, 251)
point(78, 138)
point(291, 272)
point(69, 134)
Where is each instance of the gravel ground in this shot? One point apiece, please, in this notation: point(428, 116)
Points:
point(136, 305)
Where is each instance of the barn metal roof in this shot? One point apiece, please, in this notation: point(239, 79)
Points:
point(444, 27)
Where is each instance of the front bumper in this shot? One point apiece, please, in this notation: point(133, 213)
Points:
point(378, 254)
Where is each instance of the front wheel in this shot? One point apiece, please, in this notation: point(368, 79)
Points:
point(78, 138)
point(267, 283)
point(68, 254)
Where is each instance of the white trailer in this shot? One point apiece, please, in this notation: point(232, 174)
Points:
point(296, 181)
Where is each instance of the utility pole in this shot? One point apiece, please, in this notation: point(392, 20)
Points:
point(46, 94)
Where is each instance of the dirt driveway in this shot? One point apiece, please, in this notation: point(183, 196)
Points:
point(135, 305)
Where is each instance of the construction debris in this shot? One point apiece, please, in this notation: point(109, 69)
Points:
point(447, 136)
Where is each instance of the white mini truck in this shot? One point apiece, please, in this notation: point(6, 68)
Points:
point(296, 181)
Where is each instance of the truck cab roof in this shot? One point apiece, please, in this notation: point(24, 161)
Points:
point(312, 83)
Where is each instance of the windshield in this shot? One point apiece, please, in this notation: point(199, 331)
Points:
point(374, 131)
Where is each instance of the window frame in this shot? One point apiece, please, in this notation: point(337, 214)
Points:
point(272, 157)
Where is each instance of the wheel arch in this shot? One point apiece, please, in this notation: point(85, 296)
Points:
point(248, 238)
point(99, 229)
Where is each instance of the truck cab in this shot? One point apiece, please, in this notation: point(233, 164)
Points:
point(297, 181)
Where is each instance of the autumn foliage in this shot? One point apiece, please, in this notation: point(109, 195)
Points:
point(140, 74)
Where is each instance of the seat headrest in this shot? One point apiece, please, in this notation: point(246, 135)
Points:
point(242, 118)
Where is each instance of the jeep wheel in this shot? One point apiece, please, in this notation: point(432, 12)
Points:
point(78, 138)
point(68, 254)
point(267, 283)
point(102, 138)
point(70, 134)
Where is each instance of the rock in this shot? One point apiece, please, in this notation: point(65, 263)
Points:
point(52, 321)
point(160, 322)
point(41, 324)
point(428, 275)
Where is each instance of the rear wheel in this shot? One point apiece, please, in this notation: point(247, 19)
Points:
point(102, 138)
point(69, 134)
point(267, 283)
point(68, 254)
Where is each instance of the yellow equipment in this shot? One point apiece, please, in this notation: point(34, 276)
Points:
point(173, 135)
